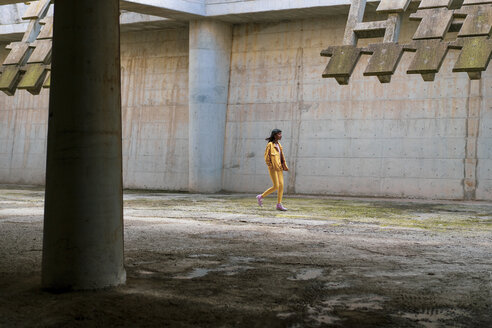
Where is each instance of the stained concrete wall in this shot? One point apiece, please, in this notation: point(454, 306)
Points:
point(406, 138)
point(155, 109)
point(154, 114)
point(484, 140)
point(23, 133)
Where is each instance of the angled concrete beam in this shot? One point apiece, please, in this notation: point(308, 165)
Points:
point(128, 20)
point(219, 8)
point(133, 18)
point(187, 10)
point(12, 31)
point(178, 9)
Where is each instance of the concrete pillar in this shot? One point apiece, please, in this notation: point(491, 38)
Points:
point(474, 106)
point(83, 220)
point(209, 67)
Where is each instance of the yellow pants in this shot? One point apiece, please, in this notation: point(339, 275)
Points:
point(278, 184)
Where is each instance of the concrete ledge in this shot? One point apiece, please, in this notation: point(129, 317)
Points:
point(221, 7)
point(12, 32)
point(179, 9)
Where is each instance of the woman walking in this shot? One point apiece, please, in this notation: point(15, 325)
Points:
point(275, 160)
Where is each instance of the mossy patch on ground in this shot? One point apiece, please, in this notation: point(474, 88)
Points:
point(385, 213)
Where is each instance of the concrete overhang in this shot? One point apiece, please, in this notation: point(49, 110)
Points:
point(222, 8)
point(159, 14)
point(242, 11)
point(182, 9)
point(130, 21)
point(12, 27)
point(12, 32)
point(238, 10)
point(177, 9)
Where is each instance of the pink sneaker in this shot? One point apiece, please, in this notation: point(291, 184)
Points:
point(259, 198)
point(281, 207)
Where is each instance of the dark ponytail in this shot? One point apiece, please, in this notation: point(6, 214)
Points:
point(272, 135)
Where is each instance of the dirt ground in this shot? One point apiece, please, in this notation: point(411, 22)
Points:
point(221, 261)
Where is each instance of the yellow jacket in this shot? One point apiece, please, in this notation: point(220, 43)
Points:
point(275, 159)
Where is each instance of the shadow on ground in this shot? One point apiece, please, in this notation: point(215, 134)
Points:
point(221, 261)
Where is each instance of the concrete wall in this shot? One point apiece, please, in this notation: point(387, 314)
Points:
point(11, 14)
point(154, 114)
point(155, 109)
point(406, 138)
point(484, 141)
point(23, 132)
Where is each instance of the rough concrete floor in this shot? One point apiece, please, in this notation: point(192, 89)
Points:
point(220, 261)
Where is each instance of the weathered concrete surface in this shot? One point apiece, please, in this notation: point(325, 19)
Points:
point(220, 261)
point(12, 27)
point(208, 87)
point(83, 213)
point(180, 9)
point(482, 100)
point(155, 109)
point(12, 14)
point(154, 76)
point(23, 132)
point(404, 139)
point(234, 11)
